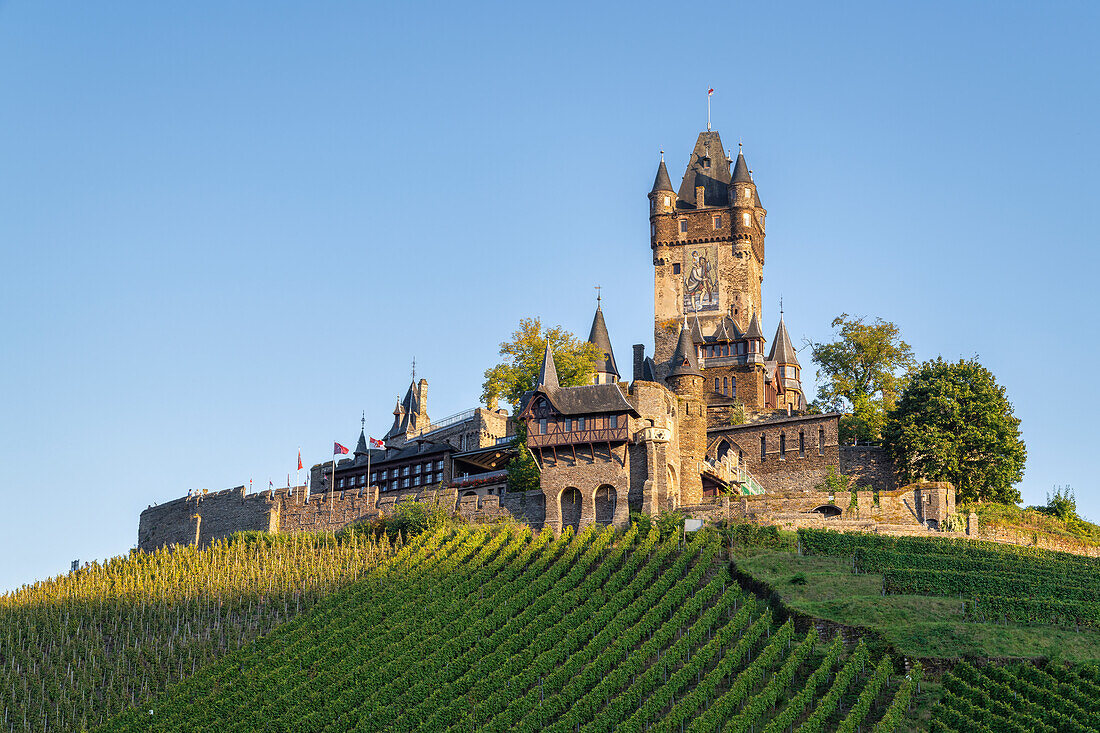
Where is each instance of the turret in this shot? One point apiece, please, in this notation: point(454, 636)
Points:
point(787, 369)
point(747, 213)
point(686, 382)
point(755, 337)
point(606, 371)
point(663, 197)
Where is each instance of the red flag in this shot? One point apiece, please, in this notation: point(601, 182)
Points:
point(299, 460)
point(337, 448)
point(377, 443)
point(710, 91)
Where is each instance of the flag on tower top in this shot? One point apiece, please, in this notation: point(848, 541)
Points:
point(337, 448)
point(377, 443)
point(710, 91)
point(299, 460)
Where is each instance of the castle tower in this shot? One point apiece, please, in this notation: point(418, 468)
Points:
point(606, 371)
point(687, 383)
point(708, 245)
point(788, 377)
point(548, 372)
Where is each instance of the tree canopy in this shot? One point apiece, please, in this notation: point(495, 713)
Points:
point(953, 422)
point(574, 358)
point(861, 374)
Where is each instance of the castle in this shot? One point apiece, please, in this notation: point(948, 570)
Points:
point(714, 423)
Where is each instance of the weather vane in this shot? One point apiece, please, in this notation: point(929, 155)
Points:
point(414, 369)
point(597, 295)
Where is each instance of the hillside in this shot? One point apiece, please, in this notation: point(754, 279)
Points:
point(499, 629)
point(81, 647)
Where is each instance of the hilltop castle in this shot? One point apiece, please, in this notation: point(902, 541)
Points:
point(715, 420)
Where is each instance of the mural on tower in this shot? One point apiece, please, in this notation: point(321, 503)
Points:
point(700, 279)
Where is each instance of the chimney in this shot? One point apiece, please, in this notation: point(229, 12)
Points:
point(639, 358)
point(699, 196)
point(422, 396)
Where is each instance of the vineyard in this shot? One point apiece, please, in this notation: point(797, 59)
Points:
point(1018, 698)
point(80, 648)
point(997, 583)
point(475, 628)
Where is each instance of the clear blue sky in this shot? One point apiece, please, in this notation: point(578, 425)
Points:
point(227, 228)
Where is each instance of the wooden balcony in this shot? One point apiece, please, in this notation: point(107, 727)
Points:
point(593, 435)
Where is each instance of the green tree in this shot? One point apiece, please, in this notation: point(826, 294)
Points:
point(574, 358)
point(575, 361)
point(954, 423)
point(861, 374)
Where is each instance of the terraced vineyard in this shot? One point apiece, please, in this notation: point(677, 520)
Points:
point(81, 647)
point(1021, 698)
point(499, 629)
point(998, 583)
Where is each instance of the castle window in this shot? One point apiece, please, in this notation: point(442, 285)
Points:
point(706, 162)
point(801, 444)
point(373, 476)
point(427, 466)
point(653, 230)
point(733, 386)
point(821, 441)
point(782, 446)
point(340, 483)
point(725, 386)
point(614, 421)
point(748, 196)
point(405, 472)
point(676, 268)
point(439, 465)
point(741, 348)
point(668, 201)
point(717, 222)
point(542, 426)
point(763, 448)
point(683, 226)
point(416, 468)
point(580, 423)
point(404, 483)
point(716, 384)
point(746, 219)
point(416, 481)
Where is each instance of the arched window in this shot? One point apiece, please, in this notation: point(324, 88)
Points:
point(763, 448)
point(733, 386)
point(716, 384)
point(801, 444)
point(782, 446)
point(725, 386)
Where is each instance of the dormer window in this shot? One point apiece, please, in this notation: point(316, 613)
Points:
point(706, 162)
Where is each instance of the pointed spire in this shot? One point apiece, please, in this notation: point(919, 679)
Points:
point(684, 360)
point(783, 352)
point(361, 446)
point(741, 172)
point(662, 182)
point(754, 332)
point(598, 336)
point(708, 168)
point(548, 373)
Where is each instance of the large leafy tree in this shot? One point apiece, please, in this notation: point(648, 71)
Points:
point(575, 361)
point(574, 358)
point(861, 373)
point(954, 423)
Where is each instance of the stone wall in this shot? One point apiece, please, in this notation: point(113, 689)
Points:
point(784, 467)
point(200, 519)
point(871, 466)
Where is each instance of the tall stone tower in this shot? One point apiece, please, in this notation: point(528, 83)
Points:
point(708, 246)
point(687, 383)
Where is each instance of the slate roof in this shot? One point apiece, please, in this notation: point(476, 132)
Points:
point(783, 351)
point(588, 399)
point(754, 331)
point(548, 372)
point(741, 170)
point(697, 331)
point(361, 446)
point(714, 179)
point(381, 457)
point(662, 182)
point(598, 336)
point(727, 330)
point(649, 370)
point(684, 360)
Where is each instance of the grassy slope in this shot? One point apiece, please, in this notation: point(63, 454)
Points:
point(491, 632)
point(918, 626)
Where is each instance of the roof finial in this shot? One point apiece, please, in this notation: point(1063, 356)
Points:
point(739, 145)
point(662, 155)
point(363, 421)
point(780, 306)
point(597, 297)
point(414, 369)
point(710, 91)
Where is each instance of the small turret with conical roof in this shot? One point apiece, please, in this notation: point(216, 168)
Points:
point(755, 337)
point(787, 369)
point(606, 370)
point(361, 447)
point(662, 198)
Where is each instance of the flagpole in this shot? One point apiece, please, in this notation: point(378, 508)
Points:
point(708, 111)
point(298, 472)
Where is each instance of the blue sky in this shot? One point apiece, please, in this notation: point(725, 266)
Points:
point(227, 228)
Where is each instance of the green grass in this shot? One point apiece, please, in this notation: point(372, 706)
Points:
point(917, 626)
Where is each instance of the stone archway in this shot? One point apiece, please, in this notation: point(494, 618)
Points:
point(829, 511)
point(571, 502)
point(604, 501)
